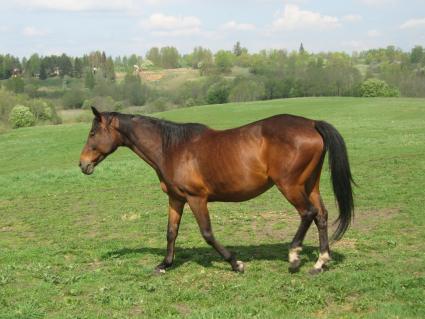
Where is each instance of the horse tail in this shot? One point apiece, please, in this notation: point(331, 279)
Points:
point(339, 167)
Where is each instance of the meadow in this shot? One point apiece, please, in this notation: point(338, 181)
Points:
point(76, 246)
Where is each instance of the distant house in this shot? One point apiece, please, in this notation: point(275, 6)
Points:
point(16, 72)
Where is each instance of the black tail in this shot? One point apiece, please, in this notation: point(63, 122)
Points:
point(340, 174)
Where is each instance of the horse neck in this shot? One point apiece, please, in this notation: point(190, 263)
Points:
point(142, 137)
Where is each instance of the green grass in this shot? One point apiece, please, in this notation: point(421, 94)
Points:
point(75, 246)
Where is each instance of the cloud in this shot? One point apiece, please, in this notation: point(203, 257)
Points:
point(293, 18)
point(413, 23)
point(373, 33)
point(234, 26)
point(33, 32)
point(352, 18)
point(378, 3)
point(164, 25)
point(78, 5)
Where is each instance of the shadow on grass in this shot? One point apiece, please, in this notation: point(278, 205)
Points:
point(204, 256)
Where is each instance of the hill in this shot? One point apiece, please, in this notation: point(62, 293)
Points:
point(78, 246)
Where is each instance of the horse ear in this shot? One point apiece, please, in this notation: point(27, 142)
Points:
point(96, 113)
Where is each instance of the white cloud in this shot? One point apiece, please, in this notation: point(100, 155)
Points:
point(378, 3)
point(352, 18)
point(234, 26)
point(78, 5)
point(33, 32)
point(163, 25)
point(413, 23)
point(373, 33)
point(293, 18)
point(3, 28)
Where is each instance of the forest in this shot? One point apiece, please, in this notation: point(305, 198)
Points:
point(36, 89)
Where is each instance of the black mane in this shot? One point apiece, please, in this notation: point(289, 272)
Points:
point(172, 134)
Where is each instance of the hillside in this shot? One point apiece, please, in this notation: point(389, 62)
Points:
point(84, 246)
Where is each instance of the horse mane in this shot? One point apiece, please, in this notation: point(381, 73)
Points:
point(172, 134)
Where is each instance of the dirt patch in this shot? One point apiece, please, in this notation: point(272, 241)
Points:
point(6, 229)
point(183, 309)
point(366, 221)
point(151, 76)
point(130, 216)
point(282, 226)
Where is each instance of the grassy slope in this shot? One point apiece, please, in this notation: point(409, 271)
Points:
point(76, 246)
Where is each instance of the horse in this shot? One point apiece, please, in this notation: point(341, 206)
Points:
point(196, 164)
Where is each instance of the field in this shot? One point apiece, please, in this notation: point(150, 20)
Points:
point(76, 246)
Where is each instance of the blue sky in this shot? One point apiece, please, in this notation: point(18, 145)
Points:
point(133, 26)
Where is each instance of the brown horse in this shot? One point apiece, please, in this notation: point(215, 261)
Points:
point(196, 164)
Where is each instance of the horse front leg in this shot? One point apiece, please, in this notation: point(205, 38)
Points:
point(175, 211)
point(200, 210)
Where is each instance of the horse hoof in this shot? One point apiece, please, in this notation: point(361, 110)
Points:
point(294, 266)
point(315, 271)
point(239, 267)
point(159, 270)
point(293, 270)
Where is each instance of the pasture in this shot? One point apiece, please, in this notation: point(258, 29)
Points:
point(76, 246)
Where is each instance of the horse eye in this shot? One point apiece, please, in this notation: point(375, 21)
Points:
point(91, 133)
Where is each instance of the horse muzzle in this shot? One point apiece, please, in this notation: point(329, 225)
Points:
point(87, 167)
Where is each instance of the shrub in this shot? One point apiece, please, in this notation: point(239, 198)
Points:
point(21, 116)
point(103, 103)
point(247, 90)
point(134, 91)
point(73, 99)
point(15, 84)
point(377, 88)
point(218, 93)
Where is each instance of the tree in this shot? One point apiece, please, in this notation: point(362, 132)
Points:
point(237, 49)
point(109, 70)
point(246, 89)
point(133, 89)
point(201, 57)
point(65, 65)
point(15, 84)
point(417, 54)
point(78, 68)
point(169, 57)
point(33, 65)
point(224, 61)
point(89, 80)
point(154, 56)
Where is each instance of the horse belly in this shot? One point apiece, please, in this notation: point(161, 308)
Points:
point(238, 187)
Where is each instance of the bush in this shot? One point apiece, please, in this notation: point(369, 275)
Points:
point(21, 116)
point(377, 88)
point(218, 93)
point(73, 99)
point(15, 84)
point(134, 91)
point(104, 104)
point(247, 90)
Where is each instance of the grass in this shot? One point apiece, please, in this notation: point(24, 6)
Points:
point(73, 246)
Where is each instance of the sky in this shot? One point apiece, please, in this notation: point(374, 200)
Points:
point(124, 27)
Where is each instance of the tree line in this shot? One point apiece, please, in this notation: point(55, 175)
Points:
point(224, 76)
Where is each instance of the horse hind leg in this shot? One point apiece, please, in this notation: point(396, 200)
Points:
point(297, 196)
point(321, 221)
